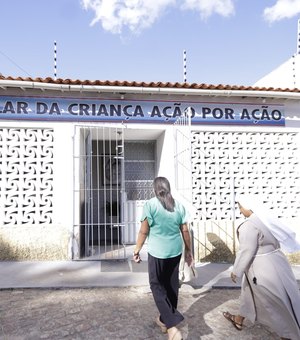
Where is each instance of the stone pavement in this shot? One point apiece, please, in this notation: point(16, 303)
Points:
point(101, 301)
point(117, 313)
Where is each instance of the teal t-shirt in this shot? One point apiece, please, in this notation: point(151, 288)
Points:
point(164, 238)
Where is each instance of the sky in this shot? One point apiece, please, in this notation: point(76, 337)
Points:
point(229, 42)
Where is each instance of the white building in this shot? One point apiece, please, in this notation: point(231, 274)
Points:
point(78, 159)
point(285, 76)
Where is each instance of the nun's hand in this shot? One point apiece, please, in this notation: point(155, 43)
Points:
point(233, 277)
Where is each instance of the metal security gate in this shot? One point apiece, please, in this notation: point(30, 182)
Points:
point(205, 230)
point(112, 180)
point(183, 162)
point(183, 156)
point(99, 192)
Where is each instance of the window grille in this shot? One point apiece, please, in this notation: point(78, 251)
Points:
point(139, 170)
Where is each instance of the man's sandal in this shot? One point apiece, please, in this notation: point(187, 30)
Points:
point(231, 318)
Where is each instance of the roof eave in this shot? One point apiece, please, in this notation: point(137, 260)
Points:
point(261, 93)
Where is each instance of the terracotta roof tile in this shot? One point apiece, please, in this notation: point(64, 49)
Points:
point(177, 85)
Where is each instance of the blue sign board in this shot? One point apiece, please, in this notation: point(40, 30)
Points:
point(139, 111)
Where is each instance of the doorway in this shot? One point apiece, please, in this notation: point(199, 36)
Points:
point(113, 178)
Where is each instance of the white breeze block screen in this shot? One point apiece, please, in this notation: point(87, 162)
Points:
point(26, 176)
point(250, 162)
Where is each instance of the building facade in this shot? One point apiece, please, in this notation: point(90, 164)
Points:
point(78, 159)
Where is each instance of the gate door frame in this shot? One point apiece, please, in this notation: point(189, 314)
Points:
point(99, 192)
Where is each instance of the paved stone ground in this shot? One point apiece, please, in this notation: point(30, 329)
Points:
point(117, 313)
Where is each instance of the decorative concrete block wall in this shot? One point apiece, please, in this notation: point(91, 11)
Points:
point(26, 196)
point(228, 163)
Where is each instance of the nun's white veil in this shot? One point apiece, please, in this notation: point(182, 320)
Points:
point(285, 236)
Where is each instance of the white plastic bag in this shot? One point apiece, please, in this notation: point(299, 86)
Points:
point(186, 273)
